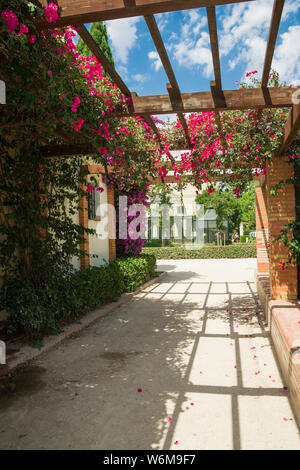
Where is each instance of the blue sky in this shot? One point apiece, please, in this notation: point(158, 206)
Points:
point(242, 30)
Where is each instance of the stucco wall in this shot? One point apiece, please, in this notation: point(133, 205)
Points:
point(98, 244)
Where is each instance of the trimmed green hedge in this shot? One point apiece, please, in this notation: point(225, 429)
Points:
point(43, 310)
point(229, 251)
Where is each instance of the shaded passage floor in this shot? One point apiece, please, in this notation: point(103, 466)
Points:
point(197, 346)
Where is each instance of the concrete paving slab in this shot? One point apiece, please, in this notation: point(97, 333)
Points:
point(128, 380)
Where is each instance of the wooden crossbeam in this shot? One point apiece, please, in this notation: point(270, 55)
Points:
point(219, 101)
point(185, 128)
point(65, 150)
point(129, 3)
point(147, 118)
point(251, 98)
point(74, 12)
point(274, 27)
point(175, 97)
point(107, 66)
point(291, 129)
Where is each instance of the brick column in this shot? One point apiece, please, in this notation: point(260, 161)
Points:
point(262, 230)
point(111, 225)
point(84, 220)
point(281, 212)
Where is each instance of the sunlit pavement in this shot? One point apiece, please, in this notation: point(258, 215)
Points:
point(188, 364)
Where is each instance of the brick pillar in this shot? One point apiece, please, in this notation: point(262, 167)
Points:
point(111, 225)
point(262, 230)
point(84, 220)
point(281, 212)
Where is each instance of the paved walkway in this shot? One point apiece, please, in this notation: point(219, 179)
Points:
point(197, 347)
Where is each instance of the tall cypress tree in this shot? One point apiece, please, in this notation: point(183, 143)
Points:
point(99, 34)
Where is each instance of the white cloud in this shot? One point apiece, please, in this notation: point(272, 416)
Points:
point(190, 53)
point(162, 20)
point(153, 55)
point(244, 33)
point(138, 77)
point(191, 47)
point(123, 35)
point(287, 55)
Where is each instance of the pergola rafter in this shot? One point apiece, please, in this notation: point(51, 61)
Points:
point(216, 85)
point(107, 66)
point(75, 12)
point(274, 27)
point(172, 86)
point(78, 12)
point(291, 129)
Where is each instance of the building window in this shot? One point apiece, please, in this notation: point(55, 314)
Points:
point(94, 205)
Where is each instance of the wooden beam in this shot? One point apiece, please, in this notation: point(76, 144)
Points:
point(175, 97)
point(185, 128)
point(216, 85)
point(274, 27)
point(74, 12)
point(129, 3)
point(64, 150)
point(213, 33)
point(291, 129)
point(107, 66)
point(157, 39)
point(251, 98)
point(147, 118)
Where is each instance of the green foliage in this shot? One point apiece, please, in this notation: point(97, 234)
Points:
point(160, 193)
point(228, 207)
point(40, 309)
point(39, 196)
point(99, 33)
point(136, 271)
point(229, 251)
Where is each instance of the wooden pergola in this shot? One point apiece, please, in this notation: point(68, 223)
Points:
point(79, 12)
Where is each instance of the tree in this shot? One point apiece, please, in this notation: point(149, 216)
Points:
point(246, 207)
point(99, 33)
point(228, 207)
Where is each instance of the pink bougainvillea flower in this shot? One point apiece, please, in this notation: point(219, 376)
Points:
point(90, 188)
point(60, 51)
point(31, 38)
point(162, 172)
point(75, 104)
point(11, 20)
point(139, 390)
point(78, 124)
point(103, 150)
point(192, 404)
point(23, 30)
point(50, 73)
point(100, 189)
point(51, 13)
